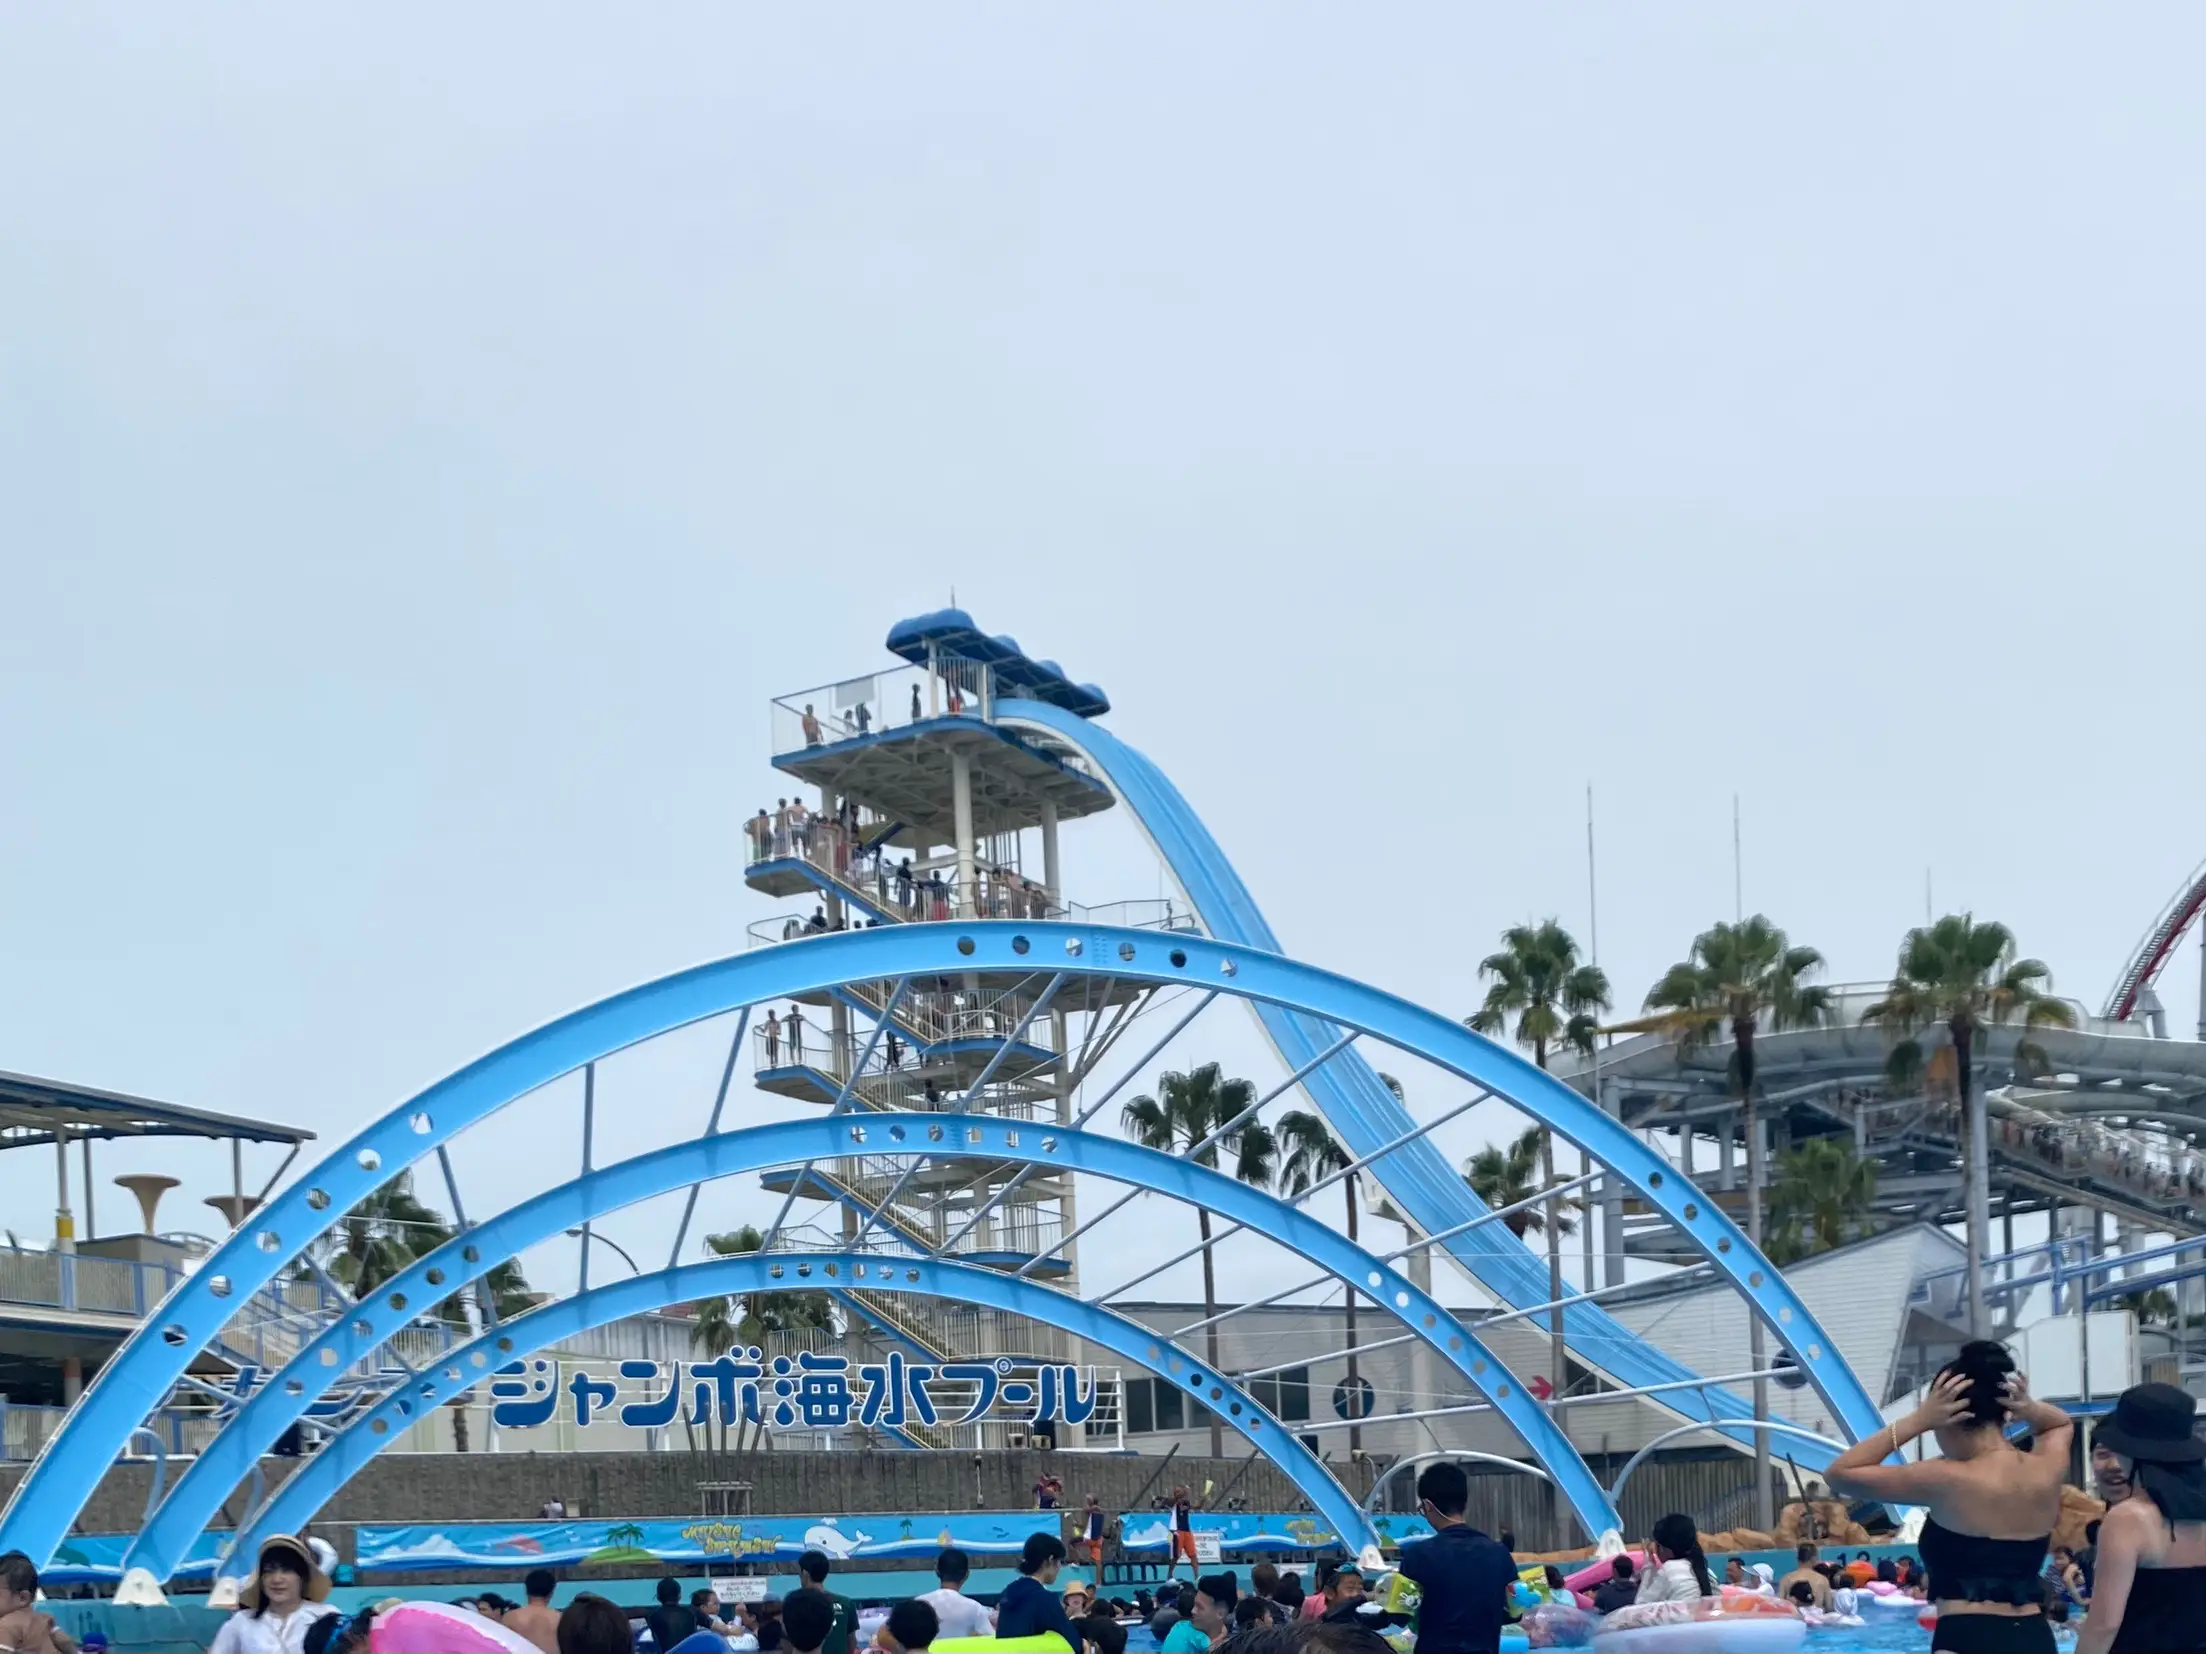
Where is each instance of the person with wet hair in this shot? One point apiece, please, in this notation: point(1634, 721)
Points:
point(1991, 1505)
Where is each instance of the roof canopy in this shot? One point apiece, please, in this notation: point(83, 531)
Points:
point(33, 1110)
point(952, 632)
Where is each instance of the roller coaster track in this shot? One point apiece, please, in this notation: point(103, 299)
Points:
point(2151, 955)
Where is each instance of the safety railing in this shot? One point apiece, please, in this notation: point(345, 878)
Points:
point(77, 1281)
point(26, 1428)
point(901, 695)
point(899, 1070)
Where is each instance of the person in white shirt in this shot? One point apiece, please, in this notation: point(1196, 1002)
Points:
point(1677, 1569)
point(288, 1594)
point(959, 1614)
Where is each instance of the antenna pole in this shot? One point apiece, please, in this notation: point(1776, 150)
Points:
point(1738, 873)
point(1611, 1197)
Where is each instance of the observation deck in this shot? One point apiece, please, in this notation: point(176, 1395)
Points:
point(895, 739)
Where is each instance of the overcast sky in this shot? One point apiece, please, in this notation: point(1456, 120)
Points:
point(428, 437)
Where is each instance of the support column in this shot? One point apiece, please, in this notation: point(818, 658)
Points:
point(72, 1379)
point(1612, 1210)
point(91, 1227)
point(65, 1222)
point(1727, 1165)
point(1049, 855)
point(1067, 1210)
point(841, 1044)
point(961, 814)
point(1424, 1381)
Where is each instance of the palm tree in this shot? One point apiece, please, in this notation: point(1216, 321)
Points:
point(1311, 1154)
point(1504, 1177)
point(2153, 1307)
point(382, 1236)
point(1737, 977)
point(1822, 1199)
point(1193, 1107)
point(719, 1325)
point(1537, 979)
point(1965, 975)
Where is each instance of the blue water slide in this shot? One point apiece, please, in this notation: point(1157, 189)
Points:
point(1349, 1092)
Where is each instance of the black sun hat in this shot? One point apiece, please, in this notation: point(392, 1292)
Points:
point(2153, 1421)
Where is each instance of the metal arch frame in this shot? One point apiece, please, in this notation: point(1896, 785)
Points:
point(1378, 1484)
point(271, 1409)
point(1616, 1489)
point(317, 1480)
point(133, 1382)
point(1349, 1094)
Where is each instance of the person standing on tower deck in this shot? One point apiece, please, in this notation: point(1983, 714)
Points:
point(773, 1040)
point(811, 726)
point(796, 1033)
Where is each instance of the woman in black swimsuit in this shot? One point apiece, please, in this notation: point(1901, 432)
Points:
point(2149, 1584)
point(1992, 1505)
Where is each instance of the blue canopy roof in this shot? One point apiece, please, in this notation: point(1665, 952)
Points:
point(952, 632)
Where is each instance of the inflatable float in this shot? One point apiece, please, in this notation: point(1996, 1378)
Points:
point(1744, 1624)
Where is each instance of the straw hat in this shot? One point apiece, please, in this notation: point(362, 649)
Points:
point(317, 1582)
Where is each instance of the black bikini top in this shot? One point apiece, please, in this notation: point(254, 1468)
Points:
point(1966, 1567)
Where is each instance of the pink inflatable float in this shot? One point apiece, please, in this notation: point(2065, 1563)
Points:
point(438, 1628)
point(1596, 1574)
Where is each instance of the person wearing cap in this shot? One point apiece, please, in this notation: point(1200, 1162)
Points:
point(286, 1596)
point(2149, 1585)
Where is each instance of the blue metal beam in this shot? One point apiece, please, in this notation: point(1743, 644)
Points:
point(132, 1385)
point(349, 1451)
point(1419, 1180)
point(355, 1337)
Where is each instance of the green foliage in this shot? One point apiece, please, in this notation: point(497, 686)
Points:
point(1536, 978)
point(1822, 1199)
point(382, 1236)
point(1737, 979)
point(1192, 1107)
point(1504, 1176)
point(1964, 975)
point(748, 1318)
point(2153, 1308)
point(1187, 1110)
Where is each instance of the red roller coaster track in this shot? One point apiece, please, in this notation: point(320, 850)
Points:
point(2151, 955)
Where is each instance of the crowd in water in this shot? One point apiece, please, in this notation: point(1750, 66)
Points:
point(1989, 1576)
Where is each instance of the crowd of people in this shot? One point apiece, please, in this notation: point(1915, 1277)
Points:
point(1987, 1569)
point(849, 847)
point(2069, 1147)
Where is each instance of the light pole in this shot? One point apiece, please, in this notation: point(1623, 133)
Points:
point(601, 1240)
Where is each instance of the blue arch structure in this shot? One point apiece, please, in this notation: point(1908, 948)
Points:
point(1351, 1096)
point(135, 1381)
point(360, 1441)
point(226, 1460)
